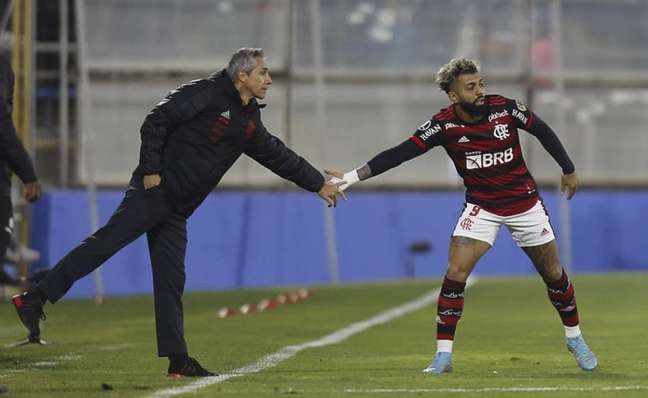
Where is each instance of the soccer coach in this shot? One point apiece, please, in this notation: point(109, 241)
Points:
point(189, 140)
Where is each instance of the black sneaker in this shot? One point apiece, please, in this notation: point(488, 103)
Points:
point(188, 368)
point(30, 310)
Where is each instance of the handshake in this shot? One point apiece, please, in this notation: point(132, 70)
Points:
point(336, 184)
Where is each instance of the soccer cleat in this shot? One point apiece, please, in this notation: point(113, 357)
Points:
point(30, 311)
point(584, 356)
point(442, 364)
point(188, 368)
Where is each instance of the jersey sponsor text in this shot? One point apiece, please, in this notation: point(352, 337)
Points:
point(479, 160)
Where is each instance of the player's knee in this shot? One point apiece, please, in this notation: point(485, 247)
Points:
point(552, 271)
point(555, 271)
point(456, 273)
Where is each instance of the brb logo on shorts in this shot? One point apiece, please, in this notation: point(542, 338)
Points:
point(478, 160)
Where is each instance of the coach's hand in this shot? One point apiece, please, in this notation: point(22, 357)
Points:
point(32, 191)
point(568, 184)
point(151, 180)
point(329, 192)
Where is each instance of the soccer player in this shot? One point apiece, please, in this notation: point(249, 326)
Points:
point(480, 134)
point(189, 141)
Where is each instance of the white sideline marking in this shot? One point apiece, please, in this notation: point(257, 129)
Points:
point(17, 370)
point(496, 389)
point(69, 357)
point(45, 364)
point(116, 347)
point(65, 357)
point(289, 351)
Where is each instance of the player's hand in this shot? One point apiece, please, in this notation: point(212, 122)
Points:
point(330, 191)
point(151, 180)
point(336, 177)
point(568, 184)
point(32, 191)
point(334, 173)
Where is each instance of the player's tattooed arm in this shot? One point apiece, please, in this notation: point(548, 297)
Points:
point(352, 177)
point(380, 163)
point(364, 172)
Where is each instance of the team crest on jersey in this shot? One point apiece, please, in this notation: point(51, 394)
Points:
point(501, 131)
point(520, 106)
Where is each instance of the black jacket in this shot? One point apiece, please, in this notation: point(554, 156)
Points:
point(13, 156)
point(196, 133)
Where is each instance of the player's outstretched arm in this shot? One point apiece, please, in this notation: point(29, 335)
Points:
point(380, 163)
point(551, 143)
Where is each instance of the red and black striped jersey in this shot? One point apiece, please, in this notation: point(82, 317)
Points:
point(486, 154)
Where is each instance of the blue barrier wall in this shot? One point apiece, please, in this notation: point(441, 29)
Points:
point(244, 239)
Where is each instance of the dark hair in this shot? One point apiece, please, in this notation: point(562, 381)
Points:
point(456, 67)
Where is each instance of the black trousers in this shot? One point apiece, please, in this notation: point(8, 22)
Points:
point(6, 231)
point(141, 211)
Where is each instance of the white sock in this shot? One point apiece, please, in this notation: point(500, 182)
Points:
point(444, 345)
point(572, 331)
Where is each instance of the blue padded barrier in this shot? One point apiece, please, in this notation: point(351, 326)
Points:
point(246, 239)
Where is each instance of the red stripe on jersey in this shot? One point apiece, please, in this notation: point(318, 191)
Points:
point(495, 99)
point(444, 117)
point(445, 114)
point(520, 205)
point(418, 141)
point(530, 121)
point(504, 180)
point(471, 129)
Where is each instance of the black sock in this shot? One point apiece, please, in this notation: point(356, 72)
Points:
point(177, 359)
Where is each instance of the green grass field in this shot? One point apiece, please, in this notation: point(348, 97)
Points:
point(509, 337)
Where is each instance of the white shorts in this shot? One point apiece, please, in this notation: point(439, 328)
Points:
point(531, 228)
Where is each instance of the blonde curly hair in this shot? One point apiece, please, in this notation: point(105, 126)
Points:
point(449, 72)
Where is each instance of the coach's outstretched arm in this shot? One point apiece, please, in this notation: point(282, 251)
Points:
point(380, 163)
point(272, 153)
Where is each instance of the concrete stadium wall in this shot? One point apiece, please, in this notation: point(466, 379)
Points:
point(247, 239)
